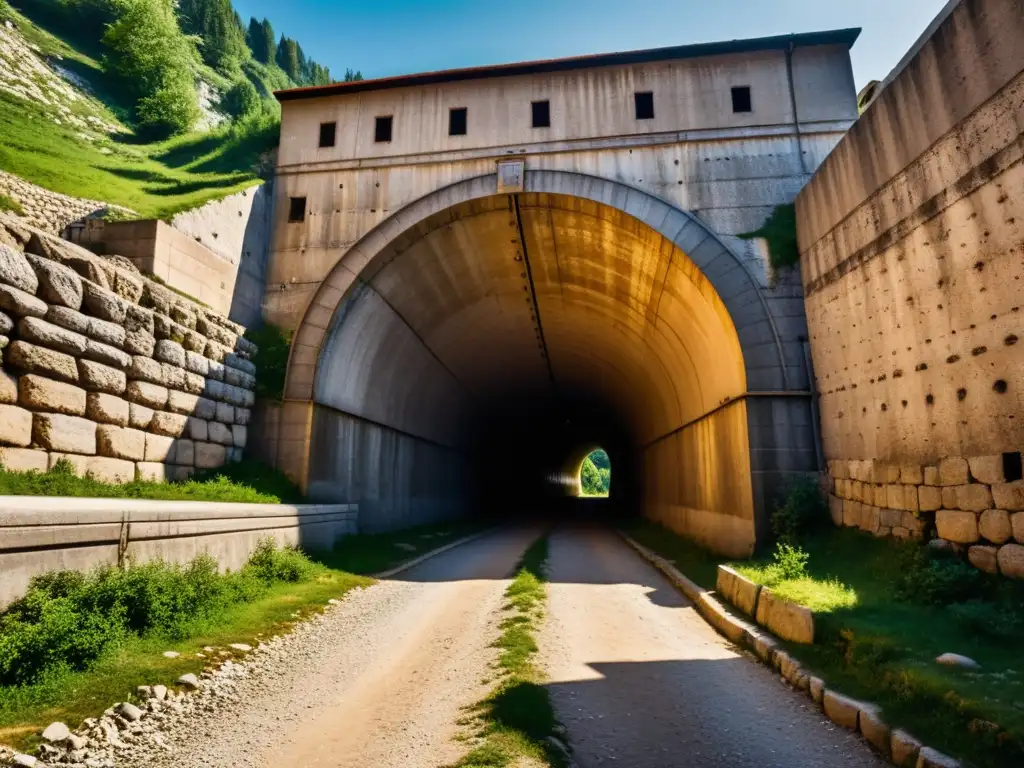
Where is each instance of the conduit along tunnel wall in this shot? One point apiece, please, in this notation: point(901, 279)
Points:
point(476, 356)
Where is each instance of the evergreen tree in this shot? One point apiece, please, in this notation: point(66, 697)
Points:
point(222, 36)
point(260, 37)
point(351, 77)
point(288, 58)
point(267, 45)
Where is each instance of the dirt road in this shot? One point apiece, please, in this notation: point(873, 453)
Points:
point(641, 681)
point(379, 682)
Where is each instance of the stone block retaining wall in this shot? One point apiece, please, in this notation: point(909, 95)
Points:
point(972, 505)
point(110, 370)
point(36, 537)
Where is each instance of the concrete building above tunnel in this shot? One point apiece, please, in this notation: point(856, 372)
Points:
point(537, 257)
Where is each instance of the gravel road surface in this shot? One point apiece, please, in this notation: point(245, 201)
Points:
point(641, 681)
point(378, 682)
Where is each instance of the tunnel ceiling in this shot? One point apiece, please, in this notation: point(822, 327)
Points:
point(539, 298)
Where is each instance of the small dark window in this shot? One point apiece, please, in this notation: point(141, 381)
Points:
point(457, 121)
point(382, 129)
point(328, 132)
point(541, 114)
point(1013, 469)
point(644, 101)
point(296, 209)
point(741, 99)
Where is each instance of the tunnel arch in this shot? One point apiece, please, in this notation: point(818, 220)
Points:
point(667, 339)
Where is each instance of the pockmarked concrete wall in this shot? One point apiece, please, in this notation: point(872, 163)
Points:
point(912, 253)
point(730, 169)
point(38, 535)
point(110, 371)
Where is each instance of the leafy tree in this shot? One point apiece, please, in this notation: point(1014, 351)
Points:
point(242, 100)
point(595, 480)
point(600, 459)
point(156, 63)
point(220, 30)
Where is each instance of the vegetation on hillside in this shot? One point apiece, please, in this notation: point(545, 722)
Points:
point(596, 474)
point(147, 65)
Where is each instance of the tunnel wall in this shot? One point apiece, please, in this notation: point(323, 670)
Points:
point(912, 252)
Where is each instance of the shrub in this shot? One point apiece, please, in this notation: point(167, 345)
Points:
point(803, 510)
point(780, 233)
point(1001, 622)
point(242, 100)
point(931, 578)
point(789, 562)
point(271, 360)
point(67, 619)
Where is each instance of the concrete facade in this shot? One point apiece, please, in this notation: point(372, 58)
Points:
point(87, 533)
point(912, 255)
point(609, 278)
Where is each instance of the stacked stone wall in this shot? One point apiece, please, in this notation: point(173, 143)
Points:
point(110, 370)
point(970, 505)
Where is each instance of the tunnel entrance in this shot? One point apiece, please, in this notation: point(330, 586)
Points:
point(595, 474)
point(475, 325)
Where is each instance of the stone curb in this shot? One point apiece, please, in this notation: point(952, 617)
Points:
point(895, 745)
point(433, 553)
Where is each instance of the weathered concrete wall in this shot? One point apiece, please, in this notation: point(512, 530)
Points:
point(85, 533)
point(729, 169)
point(912, 254)
point(110, 370)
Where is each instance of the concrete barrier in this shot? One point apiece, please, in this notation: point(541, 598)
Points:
point(40, 534)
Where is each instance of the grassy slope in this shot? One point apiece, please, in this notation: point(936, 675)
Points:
point(24, 712)
point(883, 650)
point(517, 718)
point(157, 180)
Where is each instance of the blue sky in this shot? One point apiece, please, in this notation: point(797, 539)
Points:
point(389, 37)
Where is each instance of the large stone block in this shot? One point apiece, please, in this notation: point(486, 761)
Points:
point(1008, 495)
point(66, 434)
point(38, 331)
point(35, 359)
point(15, 269)
point(214, 351)
point(196, 363)
point(106, 354)
point(233, 360)
point(171, 352)
point(121, 442)
point(57, 284)
point(146, 369)
point(24, 460)
point(8, 388)
point(1011, 560)
point(205, 408)
point(159, 448)
point(785, 619)
point(994, 525)
point(911, 474)
point(110, 470)
point(184, 453)
point(221, 339)
point(140, 343)
point(949, 497)
point(851, 513)
point(128, 286)
point(870, 518)
point(914, 523)
point(151, 471)
point(15, 425)
point(987, 469)
point(20, 303)
point(953, 471)
point(147, 394)
point(931, 476)
point(79, 464)
point(957, 526)
point(975, 497)
point(841, 710)
point(6, 323)
point(68, 318)
point(182, 402)
point(170, 424)
point(138, 320)
point(929, 498)
point(243, 416)
point(139, 416)
point(239, 435)
point(194, 342)
point(106, 332)
point(216, 371)
point(104, 304)
point(42, 394)
point(209, 455)
point(98, 377)
point(904, 749)
point(174, 377)
point(193, 383)
point(874, 728)
point(737, 589)
point(890, 518)
point(984, 557)
point(220, 433)
point(107, 409)
point(932, 758)
point(198, 429)
point(225, 413)
point(1017, 523)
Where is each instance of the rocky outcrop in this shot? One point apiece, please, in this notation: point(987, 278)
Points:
point(96, 370)
point(51, 211)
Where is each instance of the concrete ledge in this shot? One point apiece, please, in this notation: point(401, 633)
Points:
point(787, 620)
point(40, 533)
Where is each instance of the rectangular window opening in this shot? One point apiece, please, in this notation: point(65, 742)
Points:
point(382, 128)
point(296, 209)
point(541, 114)
point(741, 99)
point(1013, 467)
point(457, 121)
point(644, 102)
point(328, 133)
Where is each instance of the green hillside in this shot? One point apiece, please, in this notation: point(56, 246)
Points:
point(105, 101)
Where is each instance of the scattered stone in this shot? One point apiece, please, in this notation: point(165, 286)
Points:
point(56, 733)
point(76, 742)
point(25, 761)
point(241, 647)
point(407, 547)
point(189, 681)
point(129, 712)
point(956, 660)
point(171, 654)
point(159, 692)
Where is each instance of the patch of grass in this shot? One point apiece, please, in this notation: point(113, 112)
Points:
point(248, 481)
point(274, 345)
point(10, 204)
point(882, 648)
point(788, 577)
point(369, 553)
point(517, 719)
point(780, 232)
point(179, 609)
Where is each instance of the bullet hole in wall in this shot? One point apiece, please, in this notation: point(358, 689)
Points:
point(1010, 340)
point(961, 394)
point(904, 403)
point(1000, 386)
point(979, 265)
point(921, 367)
point(885, 407)
point(930, 400)
point(953, 358)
